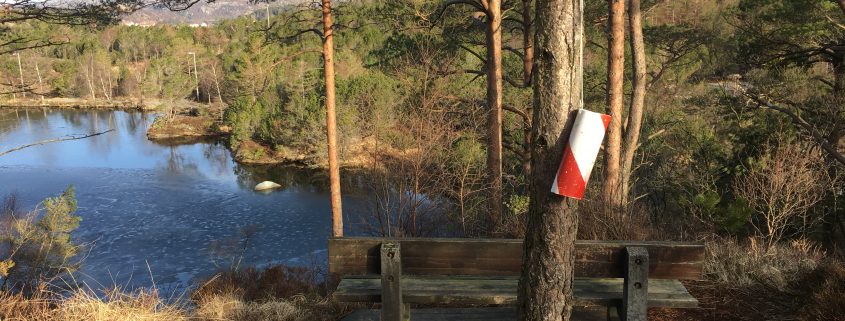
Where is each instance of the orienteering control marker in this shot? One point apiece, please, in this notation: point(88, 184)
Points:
point(580, 154)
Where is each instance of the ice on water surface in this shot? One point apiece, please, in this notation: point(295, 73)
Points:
point(153, 212)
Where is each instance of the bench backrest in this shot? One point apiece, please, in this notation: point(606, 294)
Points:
point(503, 257)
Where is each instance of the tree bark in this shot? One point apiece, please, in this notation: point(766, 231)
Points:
point(331, 122)
point(494, 116)
point(545, 287)
point(635, 114)
point(615, 70)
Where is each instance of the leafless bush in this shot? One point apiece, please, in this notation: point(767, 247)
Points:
point(415, 188)
point(596, 221)
point(783, 189)
point(409, 180)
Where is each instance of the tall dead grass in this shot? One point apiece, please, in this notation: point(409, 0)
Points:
point(278, 293)
point(85, 306)
point(225, 307)
point(148, 306)
point(778, 267)
point(788, 281)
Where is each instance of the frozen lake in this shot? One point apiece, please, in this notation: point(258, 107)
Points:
point(167, 207)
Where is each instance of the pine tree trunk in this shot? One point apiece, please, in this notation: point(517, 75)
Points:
point(615, 75)
point(331, 122)
point(545, 288)
point(527, 69)
point(527, 42)
point(635, 115)
point(494, 116)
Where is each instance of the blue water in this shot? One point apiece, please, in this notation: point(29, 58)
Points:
point(159, 214)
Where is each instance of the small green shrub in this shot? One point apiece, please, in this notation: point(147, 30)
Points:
point(37, 247)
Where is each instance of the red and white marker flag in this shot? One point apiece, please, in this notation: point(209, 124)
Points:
point(580, 155)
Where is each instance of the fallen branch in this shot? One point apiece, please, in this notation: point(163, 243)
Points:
point(54, 140)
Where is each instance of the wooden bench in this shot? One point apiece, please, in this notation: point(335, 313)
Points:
point(624, 277)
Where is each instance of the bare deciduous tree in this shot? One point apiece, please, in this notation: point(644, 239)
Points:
point(782, 190)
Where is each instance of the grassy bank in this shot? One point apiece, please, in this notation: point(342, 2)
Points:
point(278, 293)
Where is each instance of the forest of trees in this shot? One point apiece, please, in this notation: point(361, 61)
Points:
point(728, 115)
point(725, 89)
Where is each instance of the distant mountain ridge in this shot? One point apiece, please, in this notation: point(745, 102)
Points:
point(201, 12)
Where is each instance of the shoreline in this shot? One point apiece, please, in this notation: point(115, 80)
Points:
point(77, 103)
point(185, 128)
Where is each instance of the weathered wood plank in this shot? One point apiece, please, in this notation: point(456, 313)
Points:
point(474, 314)
point(391, 285)
point(635, 288)
point(502, 291)
point(503, 257)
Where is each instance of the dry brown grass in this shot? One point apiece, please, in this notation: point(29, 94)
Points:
point(276, 293)
point(751, 281)
point(17, 307)
point(148, 306)
point(231, 307)
point(279, 293)
point(827, 301)
point(85, 306)
point(778, 267)
point(276, 282)
point(118, 306)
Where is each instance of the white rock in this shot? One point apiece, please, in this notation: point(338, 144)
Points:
point(266, 185)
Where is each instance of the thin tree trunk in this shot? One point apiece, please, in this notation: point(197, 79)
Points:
point(494, 116)
point(331, 122)
point(216, 82)
point(89, 82)
point(40, 83)
point(615, 75)
point(635, 115)
point(528, 42)
point(527, 69)
point(545, 288)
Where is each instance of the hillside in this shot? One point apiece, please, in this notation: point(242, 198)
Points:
point(202, 12)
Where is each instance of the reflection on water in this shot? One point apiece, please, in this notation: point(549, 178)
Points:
point(161, 204)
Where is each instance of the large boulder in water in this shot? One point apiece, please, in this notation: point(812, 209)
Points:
point(266, 186)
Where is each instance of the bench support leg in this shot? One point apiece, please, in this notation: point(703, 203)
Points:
point(635, 291)
point(392, 308)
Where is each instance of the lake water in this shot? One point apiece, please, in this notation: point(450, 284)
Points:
point(152, 213)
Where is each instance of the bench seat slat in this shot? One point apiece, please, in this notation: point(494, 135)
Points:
point(475, 314)
point(503, 291)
